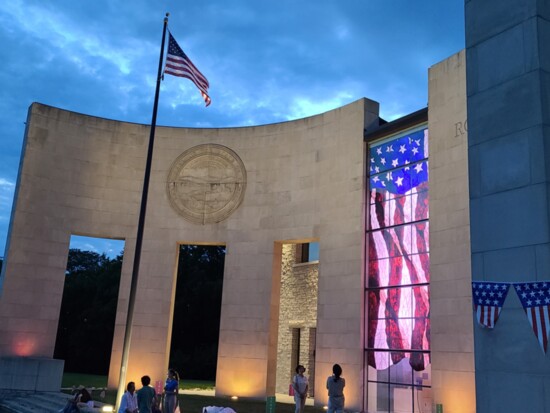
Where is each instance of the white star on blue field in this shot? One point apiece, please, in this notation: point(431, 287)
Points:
point(266, 62)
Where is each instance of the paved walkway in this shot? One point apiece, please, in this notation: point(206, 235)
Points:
point(52, 402)
point(281, 398)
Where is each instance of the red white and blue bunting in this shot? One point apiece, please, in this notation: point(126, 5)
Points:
point(488, 300)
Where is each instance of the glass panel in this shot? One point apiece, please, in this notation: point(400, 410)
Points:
point(375, 359)
point(381, 213)
point(398, 181)
point(395, 211)
point(401, 372)
point(378, 397)
point(398, 152)
point(399, 320)
point(392, 242)
point(391, 272)
point(421, 236)
point(423, 399)
point(424, 378)
point(418, 173)
point(420, 205)
point(401, 399)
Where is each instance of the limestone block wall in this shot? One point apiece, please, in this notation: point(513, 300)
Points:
point(305, 181)
point(508, 89)
point(452, 340)
point(298, 310)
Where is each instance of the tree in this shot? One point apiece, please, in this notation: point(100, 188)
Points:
point(196, 325)
point(88, 309)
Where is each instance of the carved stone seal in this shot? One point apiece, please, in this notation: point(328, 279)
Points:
point(206, 183)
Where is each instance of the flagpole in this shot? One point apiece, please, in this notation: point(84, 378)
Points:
point(139, 237)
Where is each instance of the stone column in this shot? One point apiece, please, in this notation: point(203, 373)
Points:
point(508, 89)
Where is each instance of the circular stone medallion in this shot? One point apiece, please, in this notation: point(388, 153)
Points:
point(206, 183)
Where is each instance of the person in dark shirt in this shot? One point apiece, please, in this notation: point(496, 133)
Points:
point(146, 396)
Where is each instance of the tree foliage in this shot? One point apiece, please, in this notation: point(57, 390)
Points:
point(196, 325)
point(88, 309)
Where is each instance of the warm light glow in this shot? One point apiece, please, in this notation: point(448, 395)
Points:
point(234, 398)
point(107, 409)
point(325, 407)
point(24, 346)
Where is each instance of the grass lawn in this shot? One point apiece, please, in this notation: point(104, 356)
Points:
point(90, 380)
point(188, 403)
point(86, 380)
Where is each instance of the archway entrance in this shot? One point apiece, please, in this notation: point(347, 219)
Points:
point(88, 307)
point(197, 307)
point(297, 313)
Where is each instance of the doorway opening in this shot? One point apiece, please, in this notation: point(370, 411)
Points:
point(88, 306)
point(197, 309)
point(297, 313)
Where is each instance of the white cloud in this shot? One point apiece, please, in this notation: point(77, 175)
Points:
point(304, 107)
point(76, 41)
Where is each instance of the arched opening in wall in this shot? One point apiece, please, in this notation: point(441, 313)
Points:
point(88, 306)
point(197, 308)
point(297, 327)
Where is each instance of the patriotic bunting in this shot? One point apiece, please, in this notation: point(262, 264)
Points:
point(535, 298)
point(488, 299)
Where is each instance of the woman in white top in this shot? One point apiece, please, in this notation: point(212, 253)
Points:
point(300, 386)
point(335, 387)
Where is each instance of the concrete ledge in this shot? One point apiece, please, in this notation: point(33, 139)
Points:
point(31, 374)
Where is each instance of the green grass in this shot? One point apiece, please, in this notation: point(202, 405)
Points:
point(196, 384)
point(90, 380)
point(86, 380)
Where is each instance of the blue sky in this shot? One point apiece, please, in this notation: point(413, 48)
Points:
point(267, 61)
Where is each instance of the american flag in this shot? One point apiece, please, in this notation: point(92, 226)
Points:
point(399, 165)
point(398, 273)
point(488, 299)
point(535, 298)
point(178, 64)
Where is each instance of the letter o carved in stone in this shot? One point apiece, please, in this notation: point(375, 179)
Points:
point(206, 183)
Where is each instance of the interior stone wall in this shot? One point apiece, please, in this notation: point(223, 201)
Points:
point(298, 309)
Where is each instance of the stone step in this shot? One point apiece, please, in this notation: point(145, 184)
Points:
point(44, 402)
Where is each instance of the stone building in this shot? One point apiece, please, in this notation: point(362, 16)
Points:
point(406, 214)
point(265, 192)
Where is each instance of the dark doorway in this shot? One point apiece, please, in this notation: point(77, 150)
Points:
point(88, 309)
point(197, 308)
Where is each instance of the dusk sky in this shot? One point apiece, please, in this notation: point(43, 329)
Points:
point(266, 61)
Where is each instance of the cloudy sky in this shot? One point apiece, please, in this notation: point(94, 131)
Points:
point(267, 61)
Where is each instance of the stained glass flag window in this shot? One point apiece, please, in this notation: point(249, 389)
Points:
point(535, 298)
point(488, 299)
point(399, 165)
point(398, 323)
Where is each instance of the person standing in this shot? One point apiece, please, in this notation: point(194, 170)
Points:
point(171, 391)
point(335, 387)
point(300, 386)
point(145, 396)
point(128, 403)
